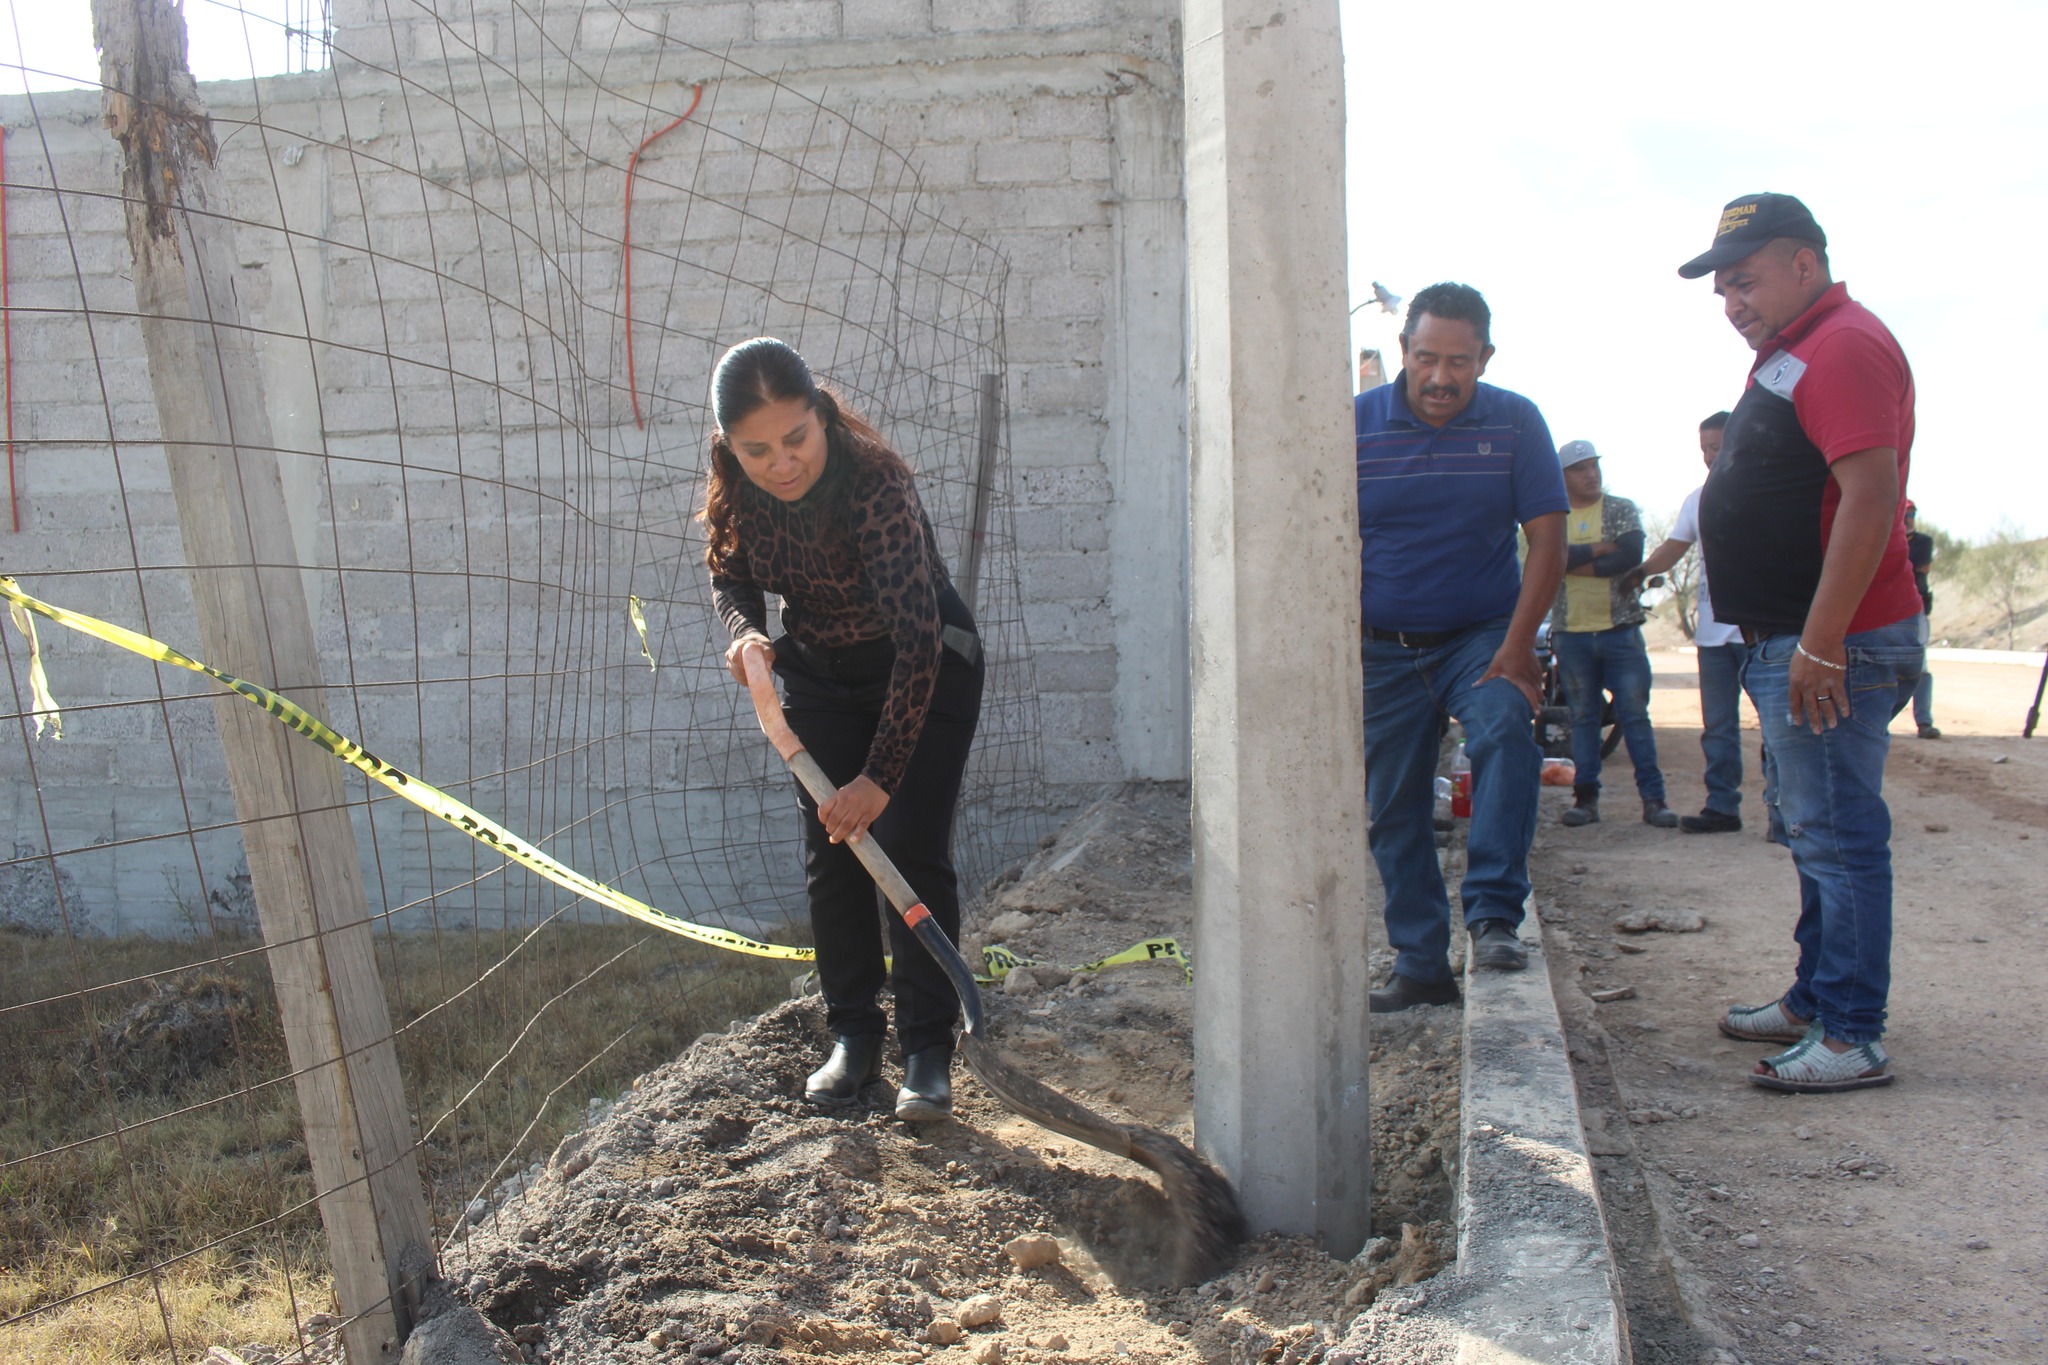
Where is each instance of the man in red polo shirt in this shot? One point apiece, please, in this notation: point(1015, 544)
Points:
point(1801, 527)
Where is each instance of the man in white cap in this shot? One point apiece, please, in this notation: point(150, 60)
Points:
point(1596, 631)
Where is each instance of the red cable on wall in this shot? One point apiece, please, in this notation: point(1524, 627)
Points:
point(7, 339)
point(632, 384)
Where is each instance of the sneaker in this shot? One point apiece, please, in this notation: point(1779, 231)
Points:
point(1710, 821)
point(1497, 947)
point(1930, 732)
point(1585, 808)
point(1658, 814)
point(1405, 993)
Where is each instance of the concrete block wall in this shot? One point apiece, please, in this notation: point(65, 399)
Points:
point(436, 252)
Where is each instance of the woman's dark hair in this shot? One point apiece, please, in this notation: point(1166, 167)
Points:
point(1452, 303)
point(750, 376)
point(1716, 422)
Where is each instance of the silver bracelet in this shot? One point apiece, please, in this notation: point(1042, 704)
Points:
point(1806, 653)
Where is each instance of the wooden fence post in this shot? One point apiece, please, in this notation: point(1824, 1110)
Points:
point(254, 622)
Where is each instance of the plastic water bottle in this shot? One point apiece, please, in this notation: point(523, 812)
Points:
point(1461, 784)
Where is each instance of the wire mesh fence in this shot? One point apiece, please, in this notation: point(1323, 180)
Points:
point(482, 265)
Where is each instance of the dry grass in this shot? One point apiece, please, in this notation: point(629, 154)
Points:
point(597, 1004)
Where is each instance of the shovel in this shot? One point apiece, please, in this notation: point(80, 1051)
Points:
point(1207, 1223)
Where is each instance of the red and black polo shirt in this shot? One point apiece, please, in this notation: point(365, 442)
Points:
point(1831, 384)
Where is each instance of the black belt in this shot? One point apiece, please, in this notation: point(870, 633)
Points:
point(871, 659)
point(1752, 636)
point(1413, 639)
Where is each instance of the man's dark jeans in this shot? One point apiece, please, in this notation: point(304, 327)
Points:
point(1595, 662)
point(1408, 694)
point(1721, 723)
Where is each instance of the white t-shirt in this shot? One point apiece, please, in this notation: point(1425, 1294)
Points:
point(1707, 632)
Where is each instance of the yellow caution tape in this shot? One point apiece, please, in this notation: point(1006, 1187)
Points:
point(43, 704)
point(428, 798)
point(639, 619)
point(999, 960)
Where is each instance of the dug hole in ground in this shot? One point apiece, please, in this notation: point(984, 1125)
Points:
point(1903, 1224)
point(713, 1214)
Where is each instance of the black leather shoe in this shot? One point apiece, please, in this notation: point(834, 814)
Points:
point(927, 1093)
point(1405, 992)
point(1497, 947)
point(1710, 822)
point(1658, 814)
point(855, 1061)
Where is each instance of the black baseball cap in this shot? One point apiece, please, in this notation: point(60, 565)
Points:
point(1748, 223)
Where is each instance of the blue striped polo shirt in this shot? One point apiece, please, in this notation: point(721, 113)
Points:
point(1438, 508)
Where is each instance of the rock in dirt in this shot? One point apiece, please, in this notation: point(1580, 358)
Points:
point(1021, 981)
point(1031, 1252)
point(979, 1311)
point(460, 1336)
point(944, 1332)
point(1608, 997)
point(1599, 1142)
point(990, 1352)
point(1667, 921)
point(1008, 925)
point(1056, 1342)
point(1377, 1249)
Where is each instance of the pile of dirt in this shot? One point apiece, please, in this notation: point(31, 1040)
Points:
point(186, 1027)
point(713, 1213)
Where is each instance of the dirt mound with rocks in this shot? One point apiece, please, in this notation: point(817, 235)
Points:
point(187, 1026)
point(713, 1214)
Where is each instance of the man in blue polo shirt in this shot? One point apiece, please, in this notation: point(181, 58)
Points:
point(1448, 468)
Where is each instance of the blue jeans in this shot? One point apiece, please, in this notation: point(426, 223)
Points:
point(1408, 693)
point(1923, 700)
point(1721, 723)
point(1595, 662)
point(1829, 794)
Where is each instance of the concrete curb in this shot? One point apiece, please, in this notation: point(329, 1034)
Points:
point(1533, 1253)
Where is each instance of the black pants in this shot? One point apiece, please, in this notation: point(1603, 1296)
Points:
point(833, 700)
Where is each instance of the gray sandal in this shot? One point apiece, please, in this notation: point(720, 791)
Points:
point(1809, 1067)
point(1771, 1023)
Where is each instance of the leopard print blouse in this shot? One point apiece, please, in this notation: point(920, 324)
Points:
point(848, 575)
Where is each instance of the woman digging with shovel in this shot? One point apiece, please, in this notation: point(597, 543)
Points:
point(881, 679)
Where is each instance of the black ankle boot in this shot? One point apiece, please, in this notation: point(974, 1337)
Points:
point(927, 1092)
point(855, 1061)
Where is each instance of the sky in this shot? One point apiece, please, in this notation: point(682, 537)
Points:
point(1565, 158)
point(47, 44)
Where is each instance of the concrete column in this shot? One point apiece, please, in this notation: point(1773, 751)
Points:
point(1147, 444)
point(1281, 886)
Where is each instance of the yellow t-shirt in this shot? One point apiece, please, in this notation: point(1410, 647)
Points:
point(1588, 601)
